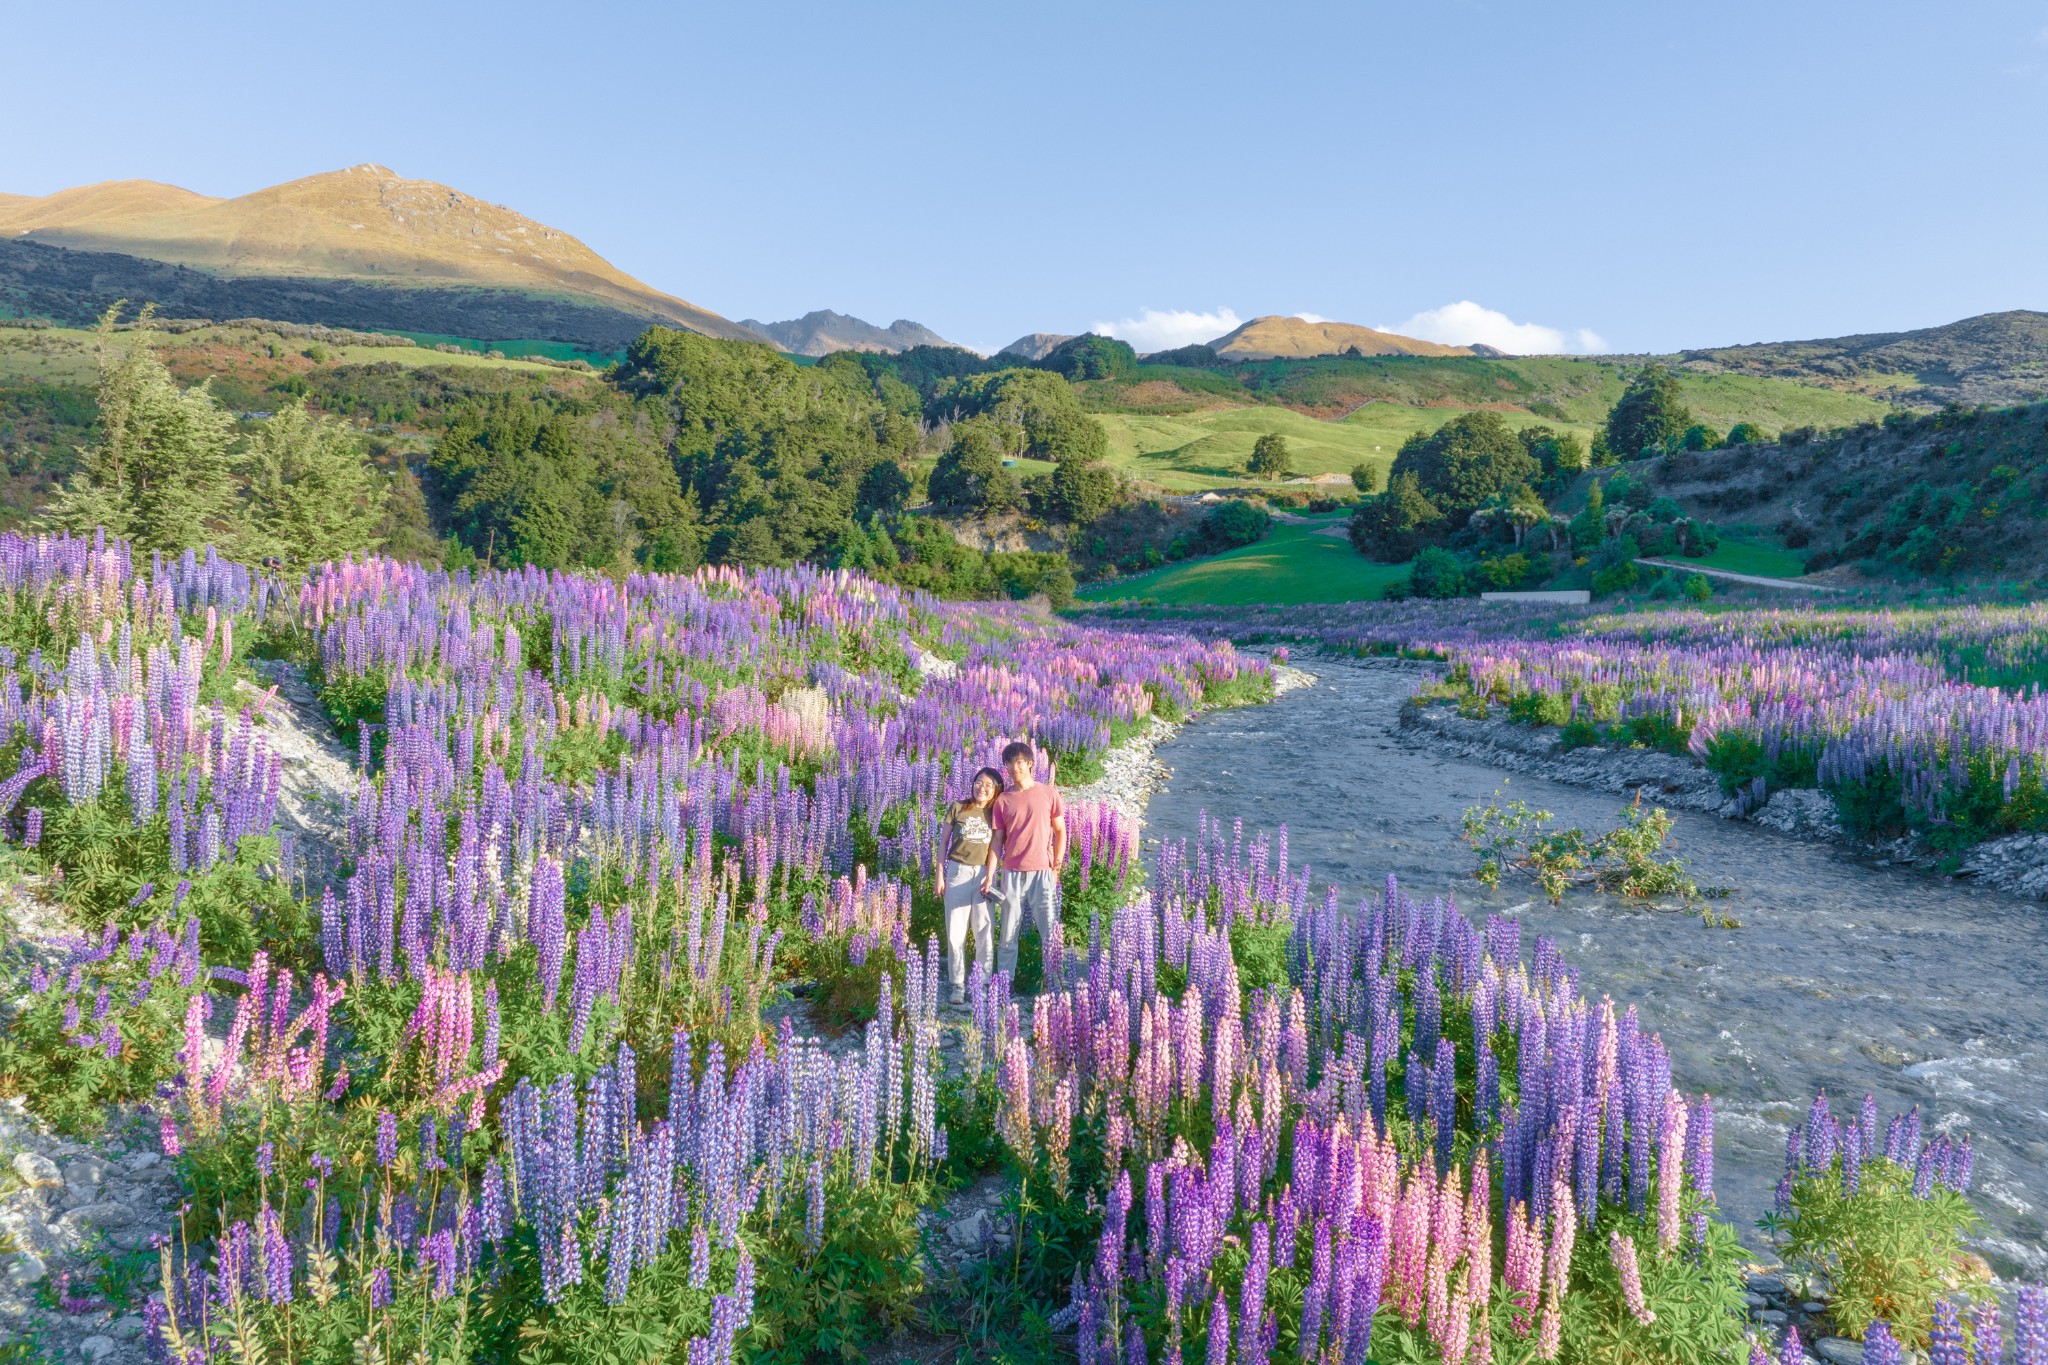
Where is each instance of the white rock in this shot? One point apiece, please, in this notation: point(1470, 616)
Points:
point(96, 1347)
point(37, 1171)
point(127, 1327)
point(26, 1269)
point(86, 1172)
point(82, 1220)
point(967, 1232)
point(1839, 1351)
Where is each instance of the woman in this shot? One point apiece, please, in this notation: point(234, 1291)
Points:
point(965, 848)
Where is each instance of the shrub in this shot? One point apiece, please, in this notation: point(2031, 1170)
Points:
point(1436, 573)
point(1697, 588)
point(1615, 578)
point(1882, 1222)
point(1234, 523)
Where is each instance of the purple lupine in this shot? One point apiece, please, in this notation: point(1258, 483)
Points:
point(2030, 1326)
point(1880, 1347)
point(1945, 1345)
point(1986, 1336)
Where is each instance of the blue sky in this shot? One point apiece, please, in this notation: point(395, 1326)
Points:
point(1613, 175)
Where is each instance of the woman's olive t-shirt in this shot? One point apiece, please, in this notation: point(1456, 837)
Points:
point(969, 837)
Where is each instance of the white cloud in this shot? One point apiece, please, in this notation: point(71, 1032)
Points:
point(1157, 330)
point(1311, 317)
point(1463, 323)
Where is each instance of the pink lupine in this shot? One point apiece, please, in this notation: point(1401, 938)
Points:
point(1670, 1169)
point(1621, 1250)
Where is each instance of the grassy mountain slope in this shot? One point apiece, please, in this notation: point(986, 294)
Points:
point(362, 227)
point(1186, 430)
point(1957, 492)
point(1276, 337)
point(1994, 358)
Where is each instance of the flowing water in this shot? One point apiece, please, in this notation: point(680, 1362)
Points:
point(1844, 974)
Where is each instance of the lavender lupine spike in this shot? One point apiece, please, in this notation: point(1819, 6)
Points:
point(1880, 1347)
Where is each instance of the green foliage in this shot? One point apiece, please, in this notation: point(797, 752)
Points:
point(1697, 588)
point(1236, 522)
point(158, 470)
point(1616, 577)
point(1746, 433)
point(1472, 457)
point(1269, 458)
point(1560, 456)
point(1700, 436)
point(1628, 860)
point(1693, 1294)
point(1651, 416)
point(312, 495)
point(776, 455)
point(970, 476)
point(1391, 526)
point(1885, 1254)
point(1260, 952)
point(1366, 479)
point(861, 1284)
point(1092, 357)
point(1082, 490)
point(1436, 573)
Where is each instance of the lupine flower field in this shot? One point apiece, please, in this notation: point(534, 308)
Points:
point(495, 1077)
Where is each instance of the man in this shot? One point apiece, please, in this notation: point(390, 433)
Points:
point(1030, 828)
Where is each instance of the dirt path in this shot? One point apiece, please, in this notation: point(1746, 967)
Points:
point(1755, 580)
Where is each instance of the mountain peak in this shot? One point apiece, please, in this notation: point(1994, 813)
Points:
point(823, 331)
point(1275, 337)
point(362, 223)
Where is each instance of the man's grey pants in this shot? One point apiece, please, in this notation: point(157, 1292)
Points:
point(1019, 891)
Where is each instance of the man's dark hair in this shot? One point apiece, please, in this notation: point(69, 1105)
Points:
point(1015, 750)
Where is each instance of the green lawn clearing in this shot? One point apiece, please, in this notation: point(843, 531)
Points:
point(1753, 557)
point(1294, 564)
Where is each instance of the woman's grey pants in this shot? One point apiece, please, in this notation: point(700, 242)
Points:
point(966, 908)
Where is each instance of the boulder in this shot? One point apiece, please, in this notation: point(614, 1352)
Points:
point(37, 1171)
point(85, 1173)
point(967, 1233)
point(1839, 1351)
point(26, 1269)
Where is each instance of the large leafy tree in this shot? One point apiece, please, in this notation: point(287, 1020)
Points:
point(312, 495)
point(1650, 416)
point(1467, 460)
point(1270, 458)
point(970, 476)
point(1390, 526)
point(158, 470)
point(776, 454)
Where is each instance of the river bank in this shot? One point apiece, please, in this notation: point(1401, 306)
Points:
point(1845, 975)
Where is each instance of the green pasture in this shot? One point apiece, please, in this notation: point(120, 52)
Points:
point(1764, 560)
point(69, 355)
point(1195, 452)
point(1292, 565)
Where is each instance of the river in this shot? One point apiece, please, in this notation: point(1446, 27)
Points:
point(1843, 974)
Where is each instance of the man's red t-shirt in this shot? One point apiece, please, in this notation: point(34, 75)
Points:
point(1024, 819)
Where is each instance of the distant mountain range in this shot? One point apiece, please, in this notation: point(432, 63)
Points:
point(824, 331)
point(1993, 358)
point(361, 247)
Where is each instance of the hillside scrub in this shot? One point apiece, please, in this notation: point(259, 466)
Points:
point(1952, 494)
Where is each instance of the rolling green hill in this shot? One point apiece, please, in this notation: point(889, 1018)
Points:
point(1185, 429)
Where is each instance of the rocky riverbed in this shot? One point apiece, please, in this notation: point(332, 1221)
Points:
point(1844, 974)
